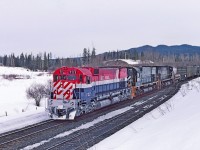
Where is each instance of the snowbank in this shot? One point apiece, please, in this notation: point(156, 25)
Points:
point(172, 126)
point(21, 120)
point(13, 98)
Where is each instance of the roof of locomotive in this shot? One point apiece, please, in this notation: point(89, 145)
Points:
point(84, 71)
point(136, 66)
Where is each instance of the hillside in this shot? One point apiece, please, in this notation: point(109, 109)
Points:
point(164, 49)
point(176, 55)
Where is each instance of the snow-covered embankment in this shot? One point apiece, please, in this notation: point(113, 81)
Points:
point(175, 125)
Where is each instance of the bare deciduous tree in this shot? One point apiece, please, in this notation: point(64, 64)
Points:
point(37, 92)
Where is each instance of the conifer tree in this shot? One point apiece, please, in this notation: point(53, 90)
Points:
point(84, 58)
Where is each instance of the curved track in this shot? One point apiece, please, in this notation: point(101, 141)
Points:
point(94, 134)
point(25, 128)
point(21, 134)
point(88, 137)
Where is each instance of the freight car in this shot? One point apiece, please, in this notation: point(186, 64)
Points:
point(188, 71)
point(79, 90)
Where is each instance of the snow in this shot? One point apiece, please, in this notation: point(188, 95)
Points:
point(136, 62)
point(21, 120)
point(174, 125)
point(13, 101)
point(14, 70)
point(131, 62)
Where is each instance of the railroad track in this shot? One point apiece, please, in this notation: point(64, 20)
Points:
point(7, 139)
point(106, 128)
point(14, 136)
point(23, 129)
point(20, 134)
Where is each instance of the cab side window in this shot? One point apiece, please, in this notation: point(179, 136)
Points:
point(87, 80)
point(63, 77)
point(81, 78)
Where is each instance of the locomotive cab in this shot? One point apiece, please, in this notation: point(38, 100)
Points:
point(64, 94)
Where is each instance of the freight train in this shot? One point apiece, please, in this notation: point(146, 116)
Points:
point(79, 90)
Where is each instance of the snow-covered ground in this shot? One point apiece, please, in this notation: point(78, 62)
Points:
point(175, 125)
point(131, 62)
point(20, 120)
point(13, 84)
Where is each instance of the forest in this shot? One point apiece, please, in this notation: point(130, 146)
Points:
point(174, 55)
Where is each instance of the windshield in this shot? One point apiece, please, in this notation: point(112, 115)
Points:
point(71, 77)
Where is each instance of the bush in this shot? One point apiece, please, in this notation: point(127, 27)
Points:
point(37, 92)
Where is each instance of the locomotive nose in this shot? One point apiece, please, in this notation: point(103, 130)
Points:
point(63, 90)
point(61, 111)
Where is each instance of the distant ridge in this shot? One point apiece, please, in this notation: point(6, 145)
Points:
point(164, 49)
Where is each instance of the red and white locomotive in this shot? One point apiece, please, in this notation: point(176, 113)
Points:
point(79, 90)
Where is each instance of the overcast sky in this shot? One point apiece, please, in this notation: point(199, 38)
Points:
point(65, 27)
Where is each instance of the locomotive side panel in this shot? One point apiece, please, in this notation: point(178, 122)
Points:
point(146, 74)
point(165, 72)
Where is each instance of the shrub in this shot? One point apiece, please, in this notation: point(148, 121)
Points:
point(37, 92)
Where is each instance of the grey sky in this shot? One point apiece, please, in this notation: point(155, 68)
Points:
point(65, 27)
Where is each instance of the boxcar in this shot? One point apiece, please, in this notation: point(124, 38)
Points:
point(188, 71)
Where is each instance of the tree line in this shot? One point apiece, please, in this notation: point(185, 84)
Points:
point(158, 58)
point(30, 61)
point(44, 61)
